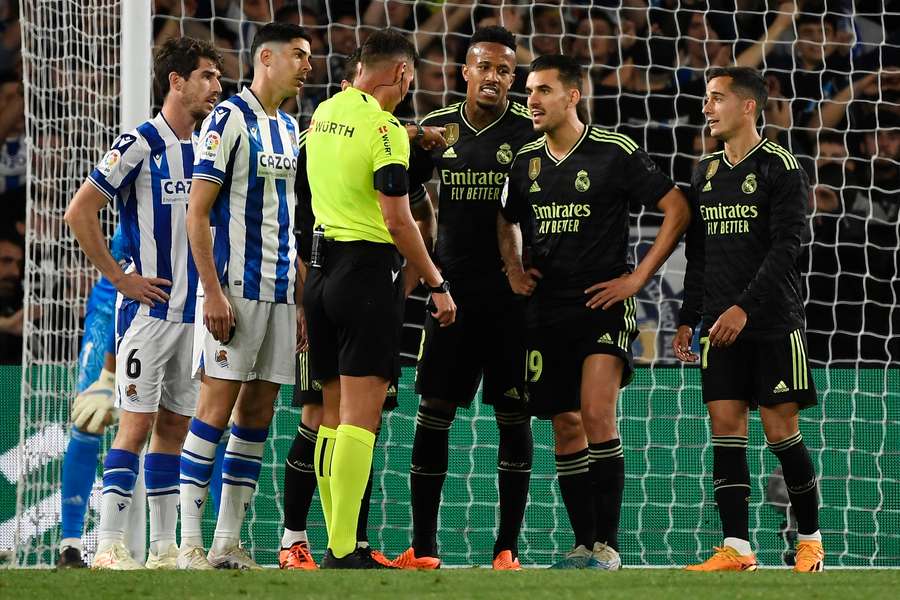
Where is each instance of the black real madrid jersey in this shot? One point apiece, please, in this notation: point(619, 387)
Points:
point(745, 236)
point(471, 172)
point(577, 205)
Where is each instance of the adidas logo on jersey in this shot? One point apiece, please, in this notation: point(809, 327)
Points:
point(707, 187)
point(781, 388)
point(449, 153)
point(604, 339)
point(534, 187)
point(512, 393)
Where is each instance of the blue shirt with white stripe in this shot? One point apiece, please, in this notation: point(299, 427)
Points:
point(148, 172)
point(253, 157)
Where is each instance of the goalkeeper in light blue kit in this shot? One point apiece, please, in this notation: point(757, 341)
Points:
point(93, 409)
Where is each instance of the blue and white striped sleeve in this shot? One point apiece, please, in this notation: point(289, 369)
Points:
point(219, 136)
point(119, 167)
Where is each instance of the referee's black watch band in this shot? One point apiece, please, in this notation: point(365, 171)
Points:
point(442, 288)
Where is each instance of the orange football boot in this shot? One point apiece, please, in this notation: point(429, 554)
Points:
point(810, 557)
point(726, 558)
point(505, 562)
point(297, 556)
point(409, 560)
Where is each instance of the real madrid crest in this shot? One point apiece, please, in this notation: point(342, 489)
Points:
point(749, 185)
point(712, 168)
point(451, 133)
point(534, 167)
point(504, 154)
point(582, 181)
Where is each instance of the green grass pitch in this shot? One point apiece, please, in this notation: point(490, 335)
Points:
point(629, 584)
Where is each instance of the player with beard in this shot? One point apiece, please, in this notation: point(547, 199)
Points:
point(483, 134)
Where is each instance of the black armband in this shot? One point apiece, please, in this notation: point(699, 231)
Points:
point(392, 180)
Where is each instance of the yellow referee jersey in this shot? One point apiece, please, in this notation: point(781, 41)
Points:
point(350, 137)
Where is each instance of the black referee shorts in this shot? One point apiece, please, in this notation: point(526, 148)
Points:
point(762, 372)
point(558, 348)
point(309, 391)
point(485, 341)
point(354, 311)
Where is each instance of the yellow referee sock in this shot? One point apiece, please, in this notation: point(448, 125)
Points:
point(322, 464)
point(350, 467)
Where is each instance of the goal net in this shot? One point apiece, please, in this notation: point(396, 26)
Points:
point(835, 89)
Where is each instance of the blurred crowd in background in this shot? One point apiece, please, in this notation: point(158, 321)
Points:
point(832, 66)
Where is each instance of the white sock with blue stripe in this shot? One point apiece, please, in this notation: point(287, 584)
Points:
point(240, 472)
point(120, 471)
point(198, 455)
point(161, 480)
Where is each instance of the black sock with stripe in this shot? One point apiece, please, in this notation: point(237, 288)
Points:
point(574, 476)
point(607, 464)
point(800, 479)
point(299, 479)
point(427, 472)
point(731, 484)
point(514, 454)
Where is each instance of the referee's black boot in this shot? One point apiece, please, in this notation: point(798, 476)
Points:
point(361, 558)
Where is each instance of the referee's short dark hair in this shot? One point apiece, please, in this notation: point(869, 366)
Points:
point(570, 72)
point(745, 82)
point(277, 32)
point(181, 55)
point(495, 34)
point(386, 44)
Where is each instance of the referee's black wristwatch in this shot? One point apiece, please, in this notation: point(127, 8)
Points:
point(441, 288)
point(420, 133)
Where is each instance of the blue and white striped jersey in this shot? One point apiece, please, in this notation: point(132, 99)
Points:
point(148, 171)
point(254, 158)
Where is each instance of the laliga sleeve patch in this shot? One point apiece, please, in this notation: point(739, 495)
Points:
point(108, 162)
point(209, 147)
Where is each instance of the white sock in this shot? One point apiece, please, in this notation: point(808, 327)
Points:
point(163, 520)
point(120, 469)
point(197, 458)
point(240, 473)
point(742, 546)
point(291, 537)
point(816, 536)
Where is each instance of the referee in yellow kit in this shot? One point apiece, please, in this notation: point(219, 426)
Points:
point(357, 156)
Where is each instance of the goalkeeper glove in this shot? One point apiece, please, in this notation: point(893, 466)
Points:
point(95, 407)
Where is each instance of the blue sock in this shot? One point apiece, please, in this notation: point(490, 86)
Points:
point(197, 457)
point(120, 471)
point(161, 473)
point(78, 473)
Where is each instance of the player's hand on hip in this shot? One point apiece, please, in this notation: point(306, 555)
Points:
point(445, 308)
point(145, 290)
point(681, 344)
point(524, 282)
point(302, 338)
point(727, 327)
point(218, 316)
point(609, 293)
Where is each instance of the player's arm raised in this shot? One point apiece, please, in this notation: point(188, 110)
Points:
point(83, 218)
point(218, 316)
